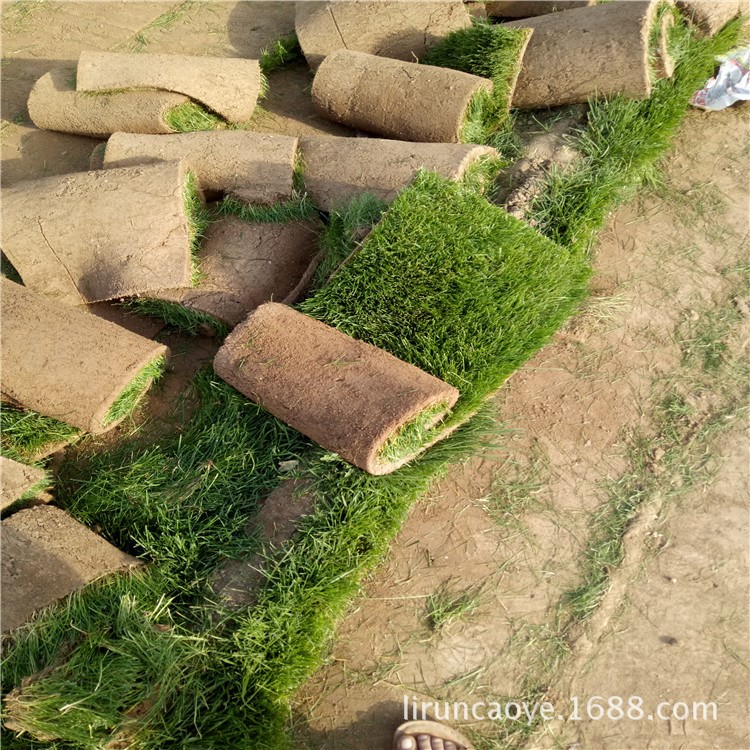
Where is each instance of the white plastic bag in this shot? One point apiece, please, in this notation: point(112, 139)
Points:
point(731, 84)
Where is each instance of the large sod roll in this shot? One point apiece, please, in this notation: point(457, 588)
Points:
point(529, 8)
point(339, 169)
point(389, 28)
point(396, 99)
point(348, 396)
point(710, 15)
point(228, 86)
point(19, 481)
point(47, 555)
point(243, 265)
point(67, 364)
point(598, 51)
point(92, 236)
point(54, 104)
point(253, 167)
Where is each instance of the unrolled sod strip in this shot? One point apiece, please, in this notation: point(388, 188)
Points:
point(395, 99)
point(243, 265)
point(389, 28)
point(529, 8)
point(226, 85)
point(54, 104)
point(598, 51)
point(253, 167)
point(19, 481)
point(67, 364)
point(92, 236)
point(339, 169)
point(48, 555)
point(348, 396)
point(710, 15)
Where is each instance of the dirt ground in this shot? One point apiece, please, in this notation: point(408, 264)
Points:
point(507, 534)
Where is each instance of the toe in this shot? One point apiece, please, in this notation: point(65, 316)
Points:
point(406, 743)
point(437, 743)
point(423, 742)
point(451, 745)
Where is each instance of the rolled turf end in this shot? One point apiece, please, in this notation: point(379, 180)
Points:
point(488, 51)
point(126, 402)
point(28, 436)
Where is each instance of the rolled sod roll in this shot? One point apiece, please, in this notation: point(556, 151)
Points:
point(710, 15)
point(47, 555)
point(348, 396)
point(243, 265)
point(19, 481)
point(228, 86)
point(389, 28)
point(54, 104)
point(401, 100)
point(253, 167)
point(67, 364)
point(529, 8)
point(93, 236)
point(598, 51)
point(339, 169)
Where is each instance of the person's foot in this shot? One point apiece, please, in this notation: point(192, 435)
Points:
point(428, 735)
point(425, 742)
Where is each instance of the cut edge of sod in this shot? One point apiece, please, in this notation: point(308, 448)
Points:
point(35, 490)
point(298, 208)
point(128, 400)
point(27, 435)
point(489, 51)
point(198, 218)
point(183, 318)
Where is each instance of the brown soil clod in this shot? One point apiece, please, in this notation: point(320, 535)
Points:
point(394, 29)
point(65, 363)
point(16, 480)
point(47, 555)
point(346, 395)
point(530, 8)
point(339, 169)
point(575, 55)
point(254, 167)
point(228, 86)
point(93, 236)
point(710, 15)
point(245, 264)
point(54, 104)
point(396, 99)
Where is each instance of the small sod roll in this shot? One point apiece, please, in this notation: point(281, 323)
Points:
point(348, 396)
point(70, 365)
point(395, 99)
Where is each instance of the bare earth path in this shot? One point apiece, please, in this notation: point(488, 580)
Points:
point(467, 607)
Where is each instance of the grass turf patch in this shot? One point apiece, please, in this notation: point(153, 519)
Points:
point(198, 217)
point(280, 53)
point(25, 435)
point(623, 141)
point(481, 290)
point(299, 208)
point(412, 437)
point(179, 316)
point(190, 117)
point(491, 52)
point(126, 402)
